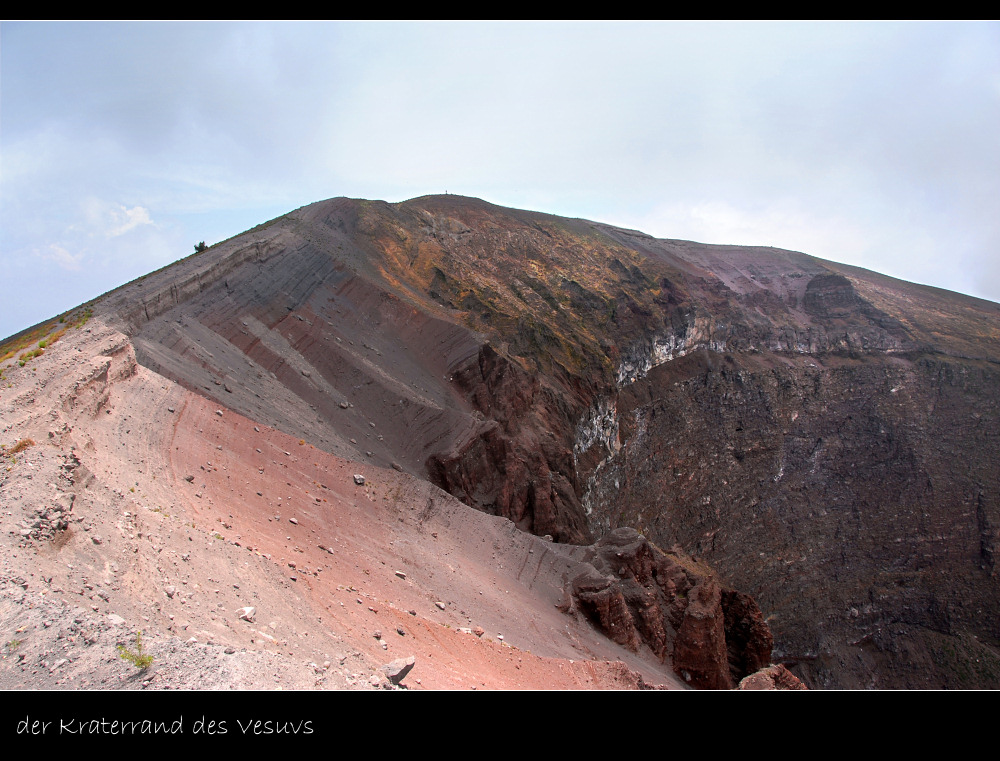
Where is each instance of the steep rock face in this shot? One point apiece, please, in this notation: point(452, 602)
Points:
point(819, 483)
point(748, 638)
point(521, 465)
point(831, 296)
point(700, 653)
point(637, 594)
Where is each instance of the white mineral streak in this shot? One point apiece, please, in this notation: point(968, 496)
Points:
point(598, 424)
point(642, 357)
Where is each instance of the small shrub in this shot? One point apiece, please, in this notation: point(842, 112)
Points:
point(138, 657)
point(20, 446)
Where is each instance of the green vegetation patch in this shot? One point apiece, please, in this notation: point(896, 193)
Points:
point(138, 656)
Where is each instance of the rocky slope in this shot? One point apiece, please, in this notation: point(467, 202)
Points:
point(823, 437)
point(249, 559)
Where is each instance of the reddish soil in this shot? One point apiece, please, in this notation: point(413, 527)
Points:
point(267, 522)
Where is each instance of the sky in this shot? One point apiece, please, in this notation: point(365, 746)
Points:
point(122, 145)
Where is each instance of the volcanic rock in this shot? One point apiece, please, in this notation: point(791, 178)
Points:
point(636, 593)
point(774, 677)
point(396, 671)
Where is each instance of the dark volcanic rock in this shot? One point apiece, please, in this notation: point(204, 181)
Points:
point(601, 598)
point(635, 593)
point(519, 466)
point(831, 296)
point(821, 487)
point(748, 638)
point(700, 652)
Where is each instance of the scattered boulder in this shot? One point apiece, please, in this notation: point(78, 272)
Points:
point(359, 479)
point(774, 677)
point(396, 671)
point(248, 613)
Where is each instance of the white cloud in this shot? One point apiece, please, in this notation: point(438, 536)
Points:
point(62, 257)
point(107, 219)
point(128, 219)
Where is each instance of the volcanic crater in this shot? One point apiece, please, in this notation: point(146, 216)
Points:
point(527, 451)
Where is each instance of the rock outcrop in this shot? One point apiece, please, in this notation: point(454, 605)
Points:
point(641, 596)
point(774, 677)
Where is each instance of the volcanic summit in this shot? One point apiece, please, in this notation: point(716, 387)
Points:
point(528, 451)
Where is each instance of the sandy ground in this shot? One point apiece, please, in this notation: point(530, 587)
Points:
point(144, 507)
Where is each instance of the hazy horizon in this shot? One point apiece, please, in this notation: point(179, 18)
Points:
point(870, 144)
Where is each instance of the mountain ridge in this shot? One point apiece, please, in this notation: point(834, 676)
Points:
point(523, 362)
